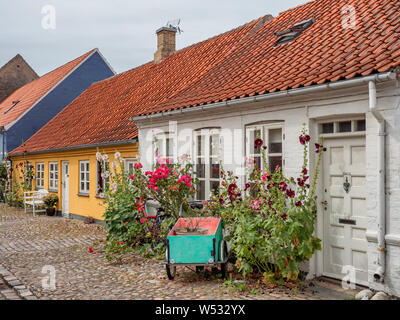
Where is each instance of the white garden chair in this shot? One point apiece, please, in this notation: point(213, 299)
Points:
point(35, 200)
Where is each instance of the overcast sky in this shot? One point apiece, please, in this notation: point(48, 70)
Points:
point(123, 30)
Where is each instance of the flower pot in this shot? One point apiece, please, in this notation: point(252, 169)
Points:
point(50, 211)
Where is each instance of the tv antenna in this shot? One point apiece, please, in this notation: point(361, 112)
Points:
point(174, 24)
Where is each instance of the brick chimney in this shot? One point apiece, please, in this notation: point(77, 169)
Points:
point(165, 43)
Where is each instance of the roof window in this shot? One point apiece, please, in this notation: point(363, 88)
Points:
point(292, 33)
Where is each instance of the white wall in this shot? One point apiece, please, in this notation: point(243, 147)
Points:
point(310, 109)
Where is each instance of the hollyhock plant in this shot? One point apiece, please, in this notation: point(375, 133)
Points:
point(274, 222)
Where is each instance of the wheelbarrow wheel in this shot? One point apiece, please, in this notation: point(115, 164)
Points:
point(224, 259)
point(171, 271)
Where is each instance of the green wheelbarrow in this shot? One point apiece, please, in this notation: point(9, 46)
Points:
point(205, 247)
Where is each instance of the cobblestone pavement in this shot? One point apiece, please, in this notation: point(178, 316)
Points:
point(28, 244)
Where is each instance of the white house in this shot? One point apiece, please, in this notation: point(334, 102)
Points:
point(334, 67)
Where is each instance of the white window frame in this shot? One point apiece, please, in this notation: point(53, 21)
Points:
point(53, 176)
point(208, 158)
point(40, 175)
point(86, 177)
point(264, 129)
point(161, 147)
point(129, 164)
point(336, 127)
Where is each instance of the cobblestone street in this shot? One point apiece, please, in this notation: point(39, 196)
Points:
point(28, 243)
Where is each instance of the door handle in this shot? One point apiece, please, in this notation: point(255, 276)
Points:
point(325, 203)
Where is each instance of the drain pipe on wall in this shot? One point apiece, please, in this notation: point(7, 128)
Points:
point(380, 271)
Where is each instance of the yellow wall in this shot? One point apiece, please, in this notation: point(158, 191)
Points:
point(79, 205)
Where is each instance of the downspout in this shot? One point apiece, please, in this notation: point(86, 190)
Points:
point(380, 271)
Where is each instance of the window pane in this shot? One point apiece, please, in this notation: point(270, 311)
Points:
point(87, 176)
point(275, 141)
point(87, 186)
point(275, 161)
point(56, 184)
point(200, 145)
point(214, 144)
point(360, 125)
point(257, 162)
point(327, 127)
point(87, 166)
point(255, 134)
point(169, 147)
point(82, 166)
point(82, 186)
point(82, 176)
point(345, 126)
point(214, 169)
point(200, 169)
point(214, 185)
point(201, 190)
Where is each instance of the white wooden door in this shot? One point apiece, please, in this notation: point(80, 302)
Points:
point(344, 203)
point(65, 189)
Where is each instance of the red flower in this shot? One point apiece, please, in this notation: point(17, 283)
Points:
point(142, 220)
point(121, 243)
point(221, 200)
point(247, 186)
point(138, 165)
point(298, 204)
point(131, 177)
point(258, 143)
point(91, 250)
point(290, 193)
point(304, 171)
point(284, 216)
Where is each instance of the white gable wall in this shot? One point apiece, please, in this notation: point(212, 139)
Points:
point(310, 109)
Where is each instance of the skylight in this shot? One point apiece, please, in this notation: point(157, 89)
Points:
point(292, 33)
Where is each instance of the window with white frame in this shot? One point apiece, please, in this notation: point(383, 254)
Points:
point(102, 175)
point(272, 137)
point(53, 176)
point(84, 177)
point(165, 147)
point(39, 175)
point(343, 126)
point(207, 146)
point(129, 164)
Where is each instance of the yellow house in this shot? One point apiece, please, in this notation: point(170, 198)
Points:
point(101, 117)
point(75, 176)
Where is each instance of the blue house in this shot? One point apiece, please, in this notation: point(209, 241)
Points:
point(30, 107)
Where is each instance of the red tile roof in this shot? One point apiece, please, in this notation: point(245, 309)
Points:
point(30, 93)
point(239, 63)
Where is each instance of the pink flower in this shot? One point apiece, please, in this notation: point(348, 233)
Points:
point(121, 243)
point(142, 220)
point(131, 177)
point(138, 165)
